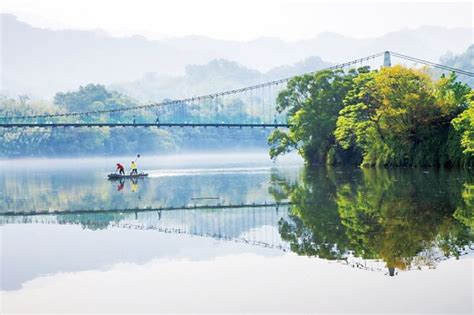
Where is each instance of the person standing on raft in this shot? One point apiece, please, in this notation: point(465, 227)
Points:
point(134, 169)
point(120, 169)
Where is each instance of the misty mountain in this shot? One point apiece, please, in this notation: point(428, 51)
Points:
point(217, 75)
point(40, 62)
point(463, 61)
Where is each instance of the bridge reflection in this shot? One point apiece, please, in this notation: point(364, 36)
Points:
point(254, 224)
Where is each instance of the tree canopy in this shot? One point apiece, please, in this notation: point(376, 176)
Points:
point(394, 117)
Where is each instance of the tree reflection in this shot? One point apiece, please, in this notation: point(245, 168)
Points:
point(313, 231)
point(407, 218)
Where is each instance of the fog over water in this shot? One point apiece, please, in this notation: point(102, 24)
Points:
point(187, 160)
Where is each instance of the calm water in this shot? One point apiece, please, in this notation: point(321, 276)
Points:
point(227, 232)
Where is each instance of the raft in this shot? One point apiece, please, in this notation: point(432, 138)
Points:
point(119, 176)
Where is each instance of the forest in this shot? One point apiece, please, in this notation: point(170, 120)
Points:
point(395, 116)
point(113, 141)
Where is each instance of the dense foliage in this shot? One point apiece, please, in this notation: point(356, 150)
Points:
point(313, 103)
point(60, 141)
point(464, 125)
point(392, 117)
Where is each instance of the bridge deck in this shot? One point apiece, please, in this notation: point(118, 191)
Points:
point(146, 125)
point(146, 209)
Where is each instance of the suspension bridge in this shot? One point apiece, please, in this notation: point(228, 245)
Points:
point(247, 107)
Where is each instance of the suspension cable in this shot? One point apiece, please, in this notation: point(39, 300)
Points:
point(432, 64)
point(194, 98)
point(240, 90)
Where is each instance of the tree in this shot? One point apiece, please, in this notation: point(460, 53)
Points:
point(312, 103)
point(83, 99)
point(401, 117)
point(464, 125)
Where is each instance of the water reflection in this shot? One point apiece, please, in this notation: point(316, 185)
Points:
point(254, 224)
point(388, 220)
point(66, 190)
point(406, 218)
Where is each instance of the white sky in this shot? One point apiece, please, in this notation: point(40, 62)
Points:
point(240, 19)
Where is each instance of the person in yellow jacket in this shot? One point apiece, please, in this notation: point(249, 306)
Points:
point(134, 168)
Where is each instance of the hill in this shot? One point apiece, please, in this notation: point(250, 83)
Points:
point(40, 62)
point(217, 75)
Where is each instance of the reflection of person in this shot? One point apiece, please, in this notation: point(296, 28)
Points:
point(121, 185)
point(134, 186)
point(134, 169)
point(121, 169)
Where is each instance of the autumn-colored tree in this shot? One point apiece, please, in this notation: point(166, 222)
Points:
point(401, 117)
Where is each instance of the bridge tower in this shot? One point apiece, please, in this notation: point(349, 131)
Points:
point(386, 59)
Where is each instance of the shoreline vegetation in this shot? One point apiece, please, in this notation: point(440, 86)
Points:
point(392, 117)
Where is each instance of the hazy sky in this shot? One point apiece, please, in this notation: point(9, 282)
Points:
point(240, 19)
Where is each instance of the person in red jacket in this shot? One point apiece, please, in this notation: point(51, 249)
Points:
point(121, 169)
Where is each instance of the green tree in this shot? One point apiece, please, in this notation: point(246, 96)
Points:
point(464, 125)
point(89, 97)
point(312, 103)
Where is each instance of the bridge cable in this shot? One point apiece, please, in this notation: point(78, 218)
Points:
point(433, 64)
point(194, 98)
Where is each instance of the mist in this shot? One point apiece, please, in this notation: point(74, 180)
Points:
point(184, 163)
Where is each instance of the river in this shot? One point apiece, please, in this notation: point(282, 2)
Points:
point(234, 232)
